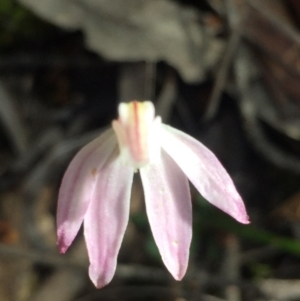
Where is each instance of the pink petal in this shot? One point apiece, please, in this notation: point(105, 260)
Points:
point(169, 211)
point(106, 219)
point(77, 188)
point(205, 172)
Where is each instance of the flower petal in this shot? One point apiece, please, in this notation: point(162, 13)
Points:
point(78, 185)
point(205, 172)
point(106, 219)
point(169, 211)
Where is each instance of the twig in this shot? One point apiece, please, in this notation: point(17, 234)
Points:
point(25, 61)
point(12, 121)
point(231, 267)
point(221, 78)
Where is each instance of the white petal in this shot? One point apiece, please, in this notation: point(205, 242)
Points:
point(169, 211)
point(106, 220)
point(78, 184)
point(205, 172)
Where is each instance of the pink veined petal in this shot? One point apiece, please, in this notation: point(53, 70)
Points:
point(169, 210)
point(78, 185)
point(205, 172)
point(106, 219)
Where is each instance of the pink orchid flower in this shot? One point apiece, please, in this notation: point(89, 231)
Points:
point(96, 189)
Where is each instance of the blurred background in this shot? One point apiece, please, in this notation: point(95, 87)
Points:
point(225, 71)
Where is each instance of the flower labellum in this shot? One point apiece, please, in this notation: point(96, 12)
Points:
point(96, 189)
